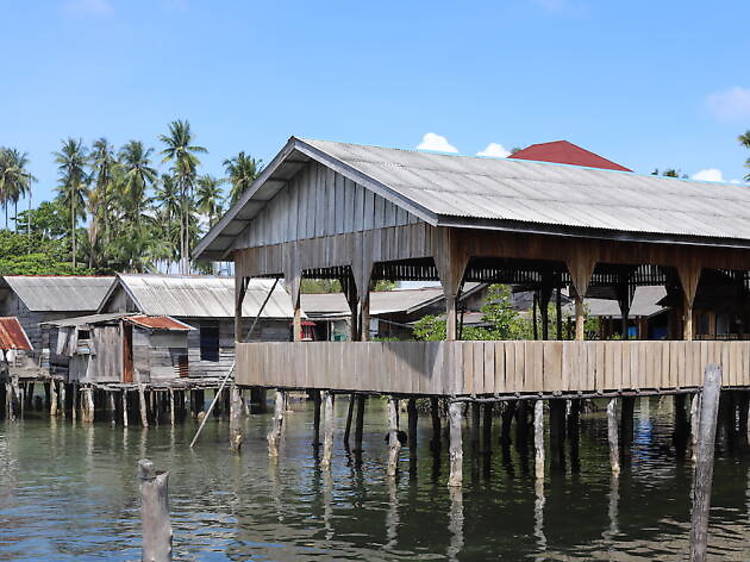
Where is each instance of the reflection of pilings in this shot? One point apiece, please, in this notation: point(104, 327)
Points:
point(274, 435)
point(391, 516)
point(743, 402)
point(626, 422)
point(522, 425)
point(315, 394)
point(573, 427)
point(613, 509)
point(359, 425)
point(475, 425)
point(557, 433)
point(413, 418)
point(681, 424)
point(539, 502)
point(348, 424)
point(456, 522)
point(509, 409)
point(487, 428)
point(436, 441)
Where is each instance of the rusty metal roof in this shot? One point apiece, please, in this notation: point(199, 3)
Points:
point(12, 334)
point(158, 323)
point(508, 194)
point(58, 293)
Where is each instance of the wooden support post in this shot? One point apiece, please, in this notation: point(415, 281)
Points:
point(539, 439)
point(359, 423)
point(349, 415)
point(580, 267)
point(171, 406)
point(509, 409)
point(695, 420)
point(394, 445)
point(413, 420)
point(436, 441)
point(522, 425)
point(47, 395)
point(704, 468)
point(53, 398)
point(455, 417)
point(142, 404)
point(580, 318)
point(74, 408)
point(689, 274)
point(157, 530)
point(235, 419)
point(556, 431)
point(112, 407)
point(534, 315)
point(125, 407)
point(240, 288)
point(274, 436)
point(63, 398)
point(87, 405)
point(328, 425)
point(12, 398)
point(316, 417)
point(612, 435)
point(487, 428)
point(475, 425)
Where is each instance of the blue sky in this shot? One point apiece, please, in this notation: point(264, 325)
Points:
point(647, 84)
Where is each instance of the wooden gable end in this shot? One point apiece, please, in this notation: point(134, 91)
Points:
point(317, 202)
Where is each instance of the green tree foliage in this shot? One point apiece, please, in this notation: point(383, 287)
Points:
point(35, 254)
point(72, 161)
point(744, 140)
point(241, 171)
point(15, 179)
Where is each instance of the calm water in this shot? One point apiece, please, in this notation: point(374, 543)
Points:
point(69, 492)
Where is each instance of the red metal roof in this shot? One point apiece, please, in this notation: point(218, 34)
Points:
point(12, 335)
point(564, 152)
point(158, 323)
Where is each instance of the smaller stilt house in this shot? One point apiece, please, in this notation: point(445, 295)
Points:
point(13, 339)
point(205, 303)
point(123, 348)
point(37, 299)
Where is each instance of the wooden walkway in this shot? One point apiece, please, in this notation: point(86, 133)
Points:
point(466, 368)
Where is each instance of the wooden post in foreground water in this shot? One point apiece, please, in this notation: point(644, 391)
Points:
point(455, 416)
point(157, 530)
point(328, 421)
point(539, 440)
point(235, 418)
point(613, 435)
point(704, 468)
point(394, 445)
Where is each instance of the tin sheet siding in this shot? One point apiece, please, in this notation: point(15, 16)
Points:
point(320, 202)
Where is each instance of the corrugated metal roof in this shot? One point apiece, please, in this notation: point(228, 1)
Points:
point(159, 323)
point(87, 320)
point(194, 296)
point(645, 303)
point(59, 293)
point(511, 194)
point(12, 334)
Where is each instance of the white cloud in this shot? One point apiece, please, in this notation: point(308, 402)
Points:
point(494, 150)
point(89, 7)
point(438, 143)
point(709, 174)
point(730, 105)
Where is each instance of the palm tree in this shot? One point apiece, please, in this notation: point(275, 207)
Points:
point(103, 170)
point(180, 151)
point(167, 199)
point(744, 140)
point(15, 179)
point(71, 165)
point(209, 199)
point(138, 176)
point(242, 171)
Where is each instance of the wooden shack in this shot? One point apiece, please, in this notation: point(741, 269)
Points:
point(37, 299)
point(359, 214)
point(123, 348)
point(205, 303)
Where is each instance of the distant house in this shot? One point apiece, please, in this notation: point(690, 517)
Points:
point(205, 303)
point(564, 152)
point(122, 348)
point(37, 299)
point(392, 313)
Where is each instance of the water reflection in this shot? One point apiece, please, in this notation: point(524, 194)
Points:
point(69, 492)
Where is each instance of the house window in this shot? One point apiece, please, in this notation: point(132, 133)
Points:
point(209, 332)
point(84, 335)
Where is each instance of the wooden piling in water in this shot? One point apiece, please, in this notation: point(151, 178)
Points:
point(539, 439)
point(349, 415)
point(142, 405)
point(359, 423)
point(53, 398)
point(413, 420)
point(316, 417)
point(63, 400)
point(506, 418)
point(157, 529)
point(436, 441)
point(475, 424)
point(704, 468)
point(235, 419)
point(394, 445)
point(124, 407)
point(487, 411)
point(556, 431)
point(613, 429)
point(87, 405)
point(328, 425)
point(455, 417)
point(627, 408)
point(274, 436)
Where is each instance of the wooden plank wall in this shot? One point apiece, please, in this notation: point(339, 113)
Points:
point(320, 202)
point(486, 368)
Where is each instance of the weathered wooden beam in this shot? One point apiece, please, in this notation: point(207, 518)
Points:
point(349, 415)
point(142, 404)
point(157, 529)
point(328, 428)
point(125, 407)
point(53, 398)
point(436, 441)
point(455, 416)
point(613, 429)
point(539, 440)
point(359, 423)
point(235, 418)
point(274, 435)
point(704, 468)
point(394, 445)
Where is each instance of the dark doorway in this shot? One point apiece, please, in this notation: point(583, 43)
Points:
point(127, 352)
point(209, 341)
